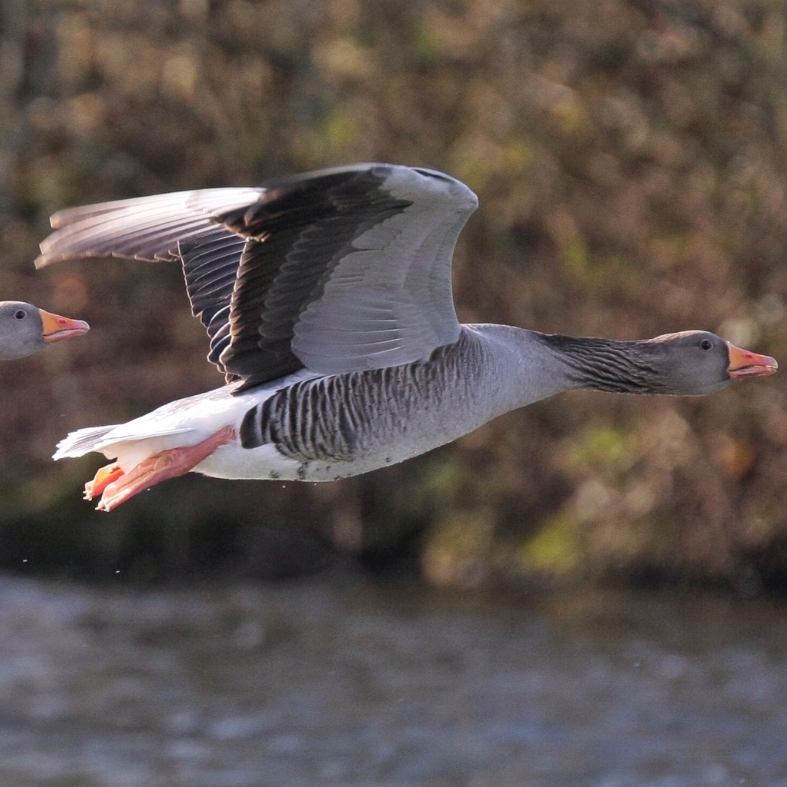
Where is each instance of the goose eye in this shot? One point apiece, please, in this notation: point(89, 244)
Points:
point(20, 314)
point(706, 344)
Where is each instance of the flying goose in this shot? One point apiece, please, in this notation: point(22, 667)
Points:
point(327, 300)
point(25, 329)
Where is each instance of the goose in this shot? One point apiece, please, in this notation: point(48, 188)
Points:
point(25, 329)
point(327, 301)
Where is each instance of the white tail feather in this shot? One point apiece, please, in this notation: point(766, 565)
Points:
point(81, 442)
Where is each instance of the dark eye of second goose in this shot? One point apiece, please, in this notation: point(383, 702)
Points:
point(25, 329)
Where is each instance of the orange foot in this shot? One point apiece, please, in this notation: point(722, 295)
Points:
point(116, 487)
point(105, 476)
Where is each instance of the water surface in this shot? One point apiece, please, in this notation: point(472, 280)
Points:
point(341, 681)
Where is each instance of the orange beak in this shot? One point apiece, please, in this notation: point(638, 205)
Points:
point(747, 364)
point(57, 328)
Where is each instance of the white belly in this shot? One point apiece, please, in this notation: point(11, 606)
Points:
point(268, 463)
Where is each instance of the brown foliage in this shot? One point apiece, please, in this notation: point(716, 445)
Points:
point(629, 158)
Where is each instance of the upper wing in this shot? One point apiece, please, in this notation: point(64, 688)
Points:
point(338, 270)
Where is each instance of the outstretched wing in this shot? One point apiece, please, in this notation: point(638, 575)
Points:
point(338, 270)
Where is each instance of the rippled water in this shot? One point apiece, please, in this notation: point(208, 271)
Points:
point(338, 681)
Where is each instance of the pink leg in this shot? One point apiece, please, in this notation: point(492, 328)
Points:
point(159, 467)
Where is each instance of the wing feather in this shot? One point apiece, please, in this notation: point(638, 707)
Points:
point(338, 270)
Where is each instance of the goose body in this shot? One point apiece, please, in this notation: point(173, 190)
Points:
point(327, 300)
point(25, 329)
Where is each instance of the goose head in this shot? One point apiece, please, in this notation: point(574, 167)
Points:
point(690, 363)
point(694, 363)
point(26, 329)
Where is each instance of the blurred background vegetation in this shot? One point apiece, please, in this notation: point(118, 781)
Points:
point(630, 160)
